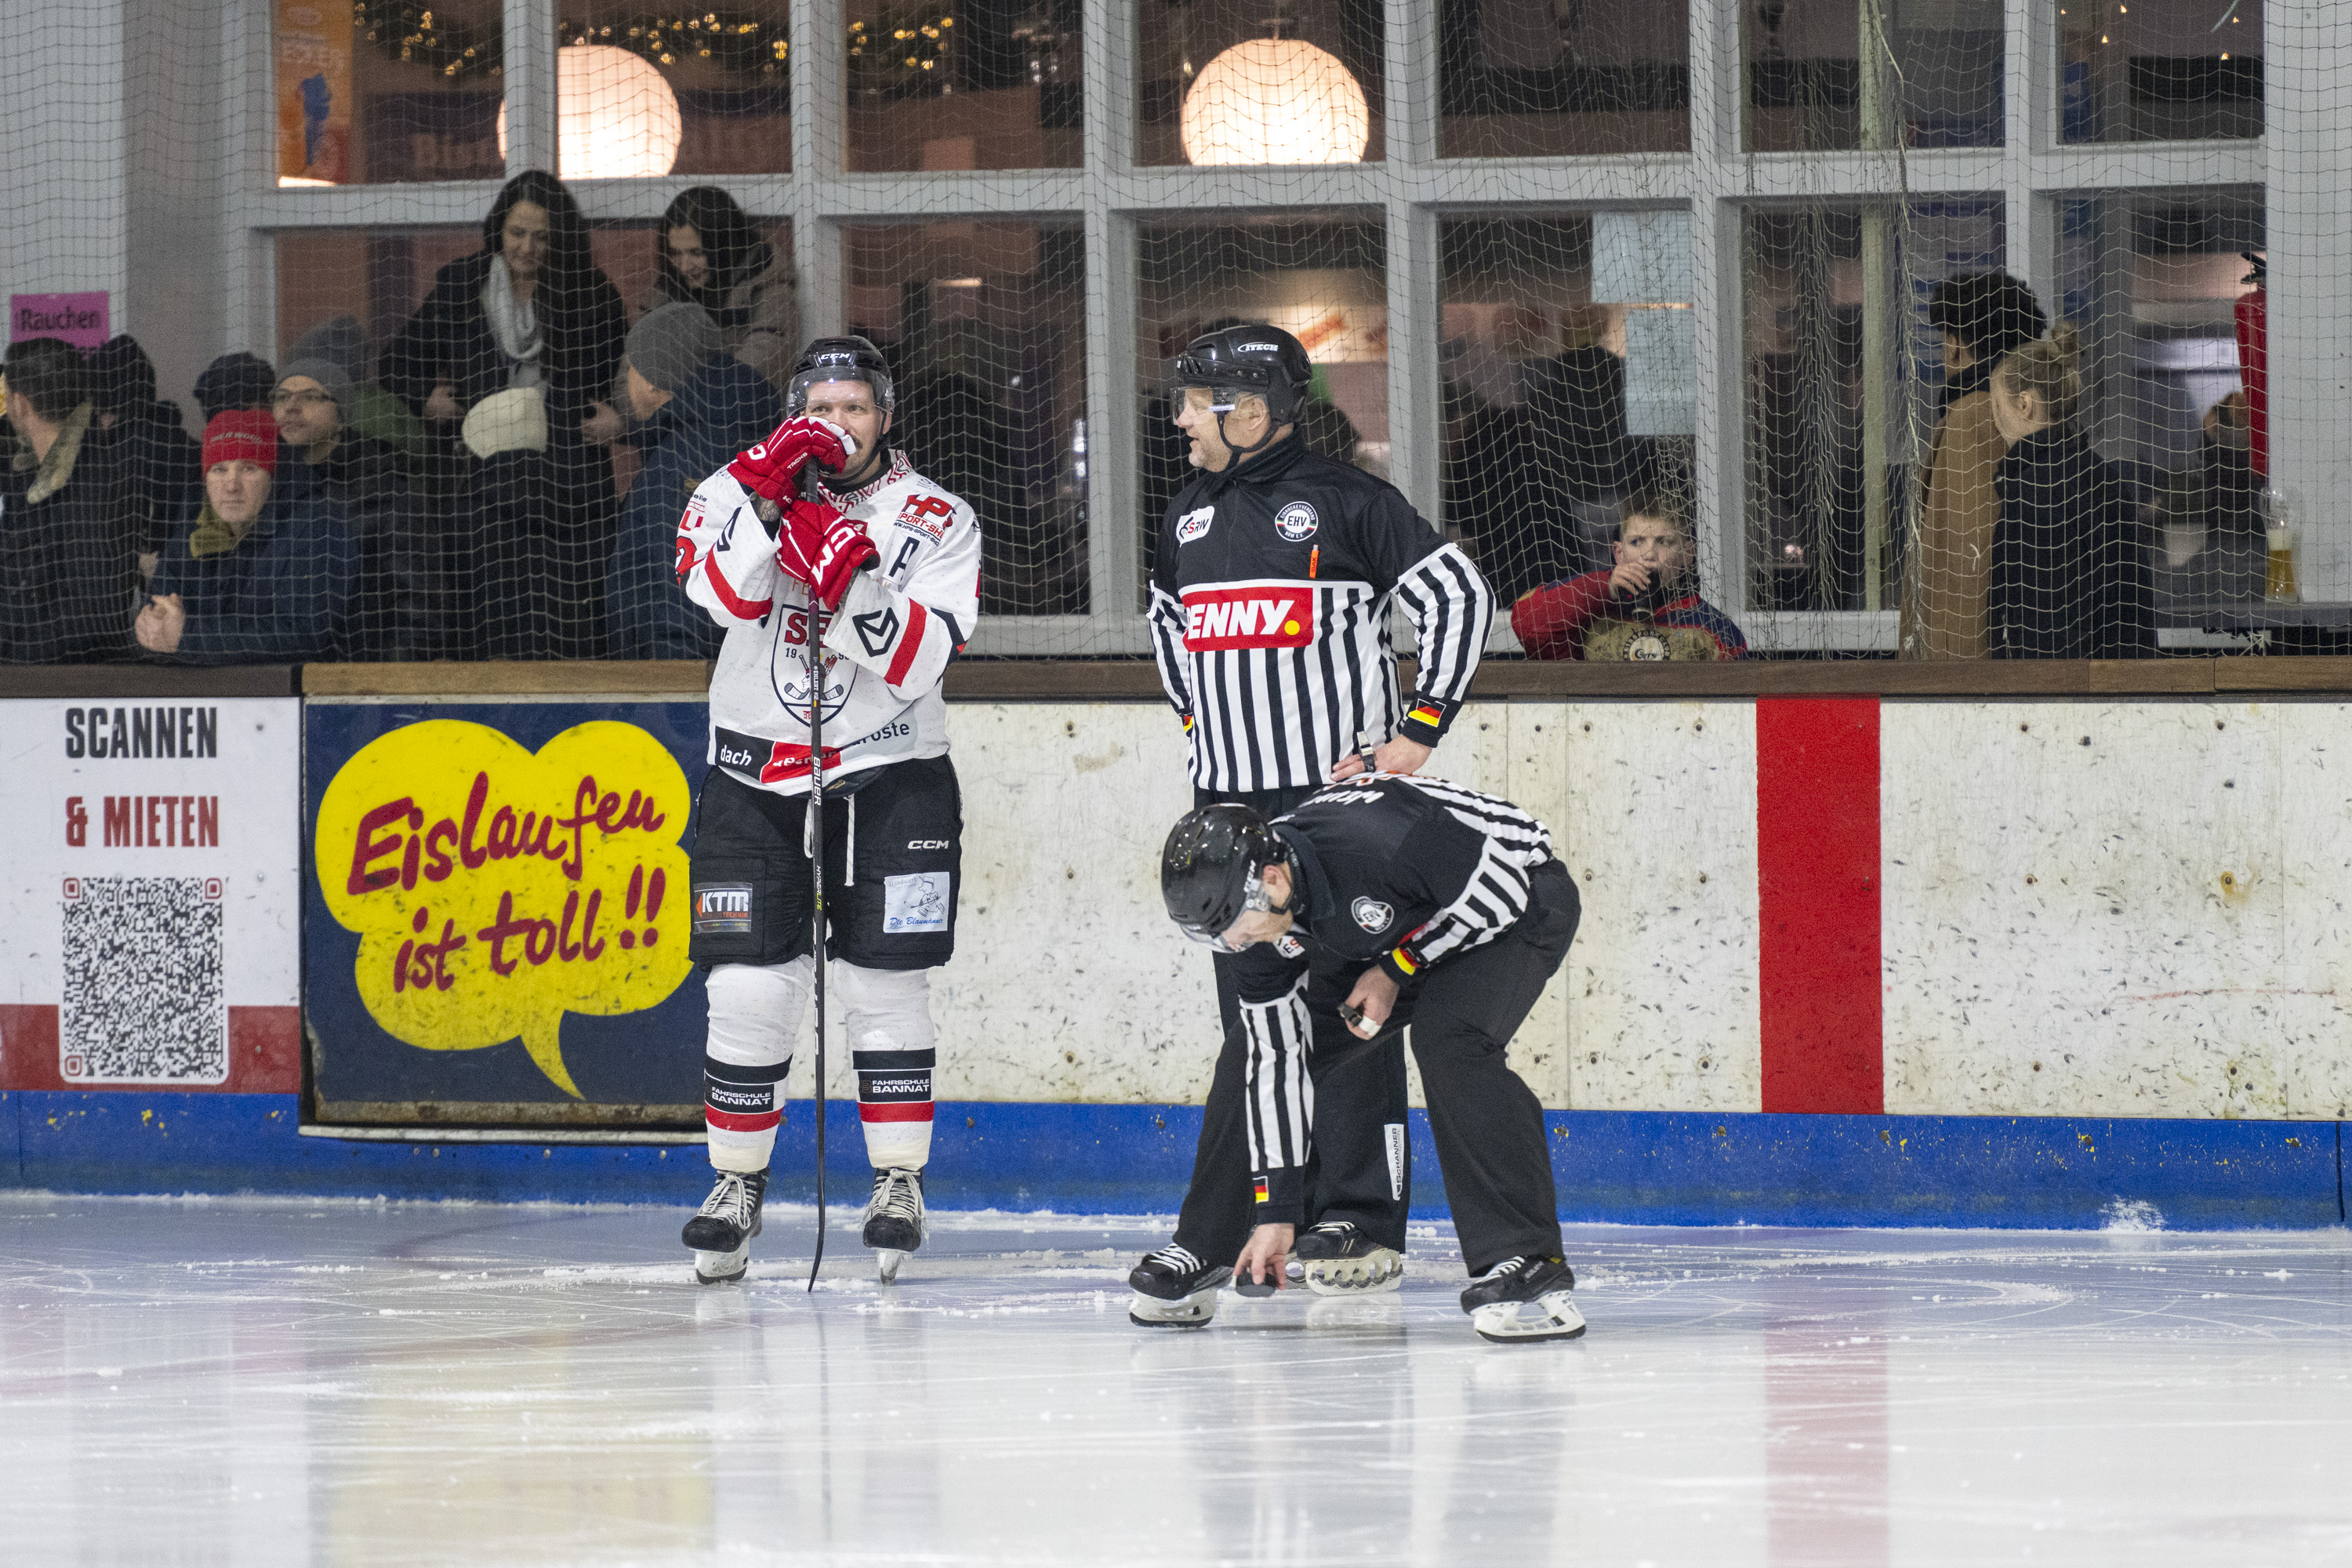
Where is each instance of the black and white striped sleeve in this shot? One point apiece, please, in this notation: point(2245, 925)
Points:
point(1451, 608)
point(1281, 1104)
point(1166, 618)
point(1489, 904)
point(1509, 843)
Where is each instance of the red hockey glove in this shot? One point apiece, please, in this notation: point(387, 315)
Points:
point(823, 549)
point(772, 468)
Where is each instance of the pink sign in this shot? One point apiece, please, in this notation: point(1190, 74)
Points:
point(79, 319)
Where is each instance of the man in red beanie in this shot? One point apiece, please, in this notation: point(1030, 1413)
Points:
point(253, 578)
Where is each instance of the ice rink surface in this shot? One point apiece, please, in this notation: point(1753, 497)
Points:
point(260, 1382)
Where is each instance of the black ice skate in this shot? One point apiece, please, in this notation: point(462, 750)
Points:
point(1339, 1259)
point(721, 1233)
point(893, 1218)
point(1175, 1290)
point(1524, 1298)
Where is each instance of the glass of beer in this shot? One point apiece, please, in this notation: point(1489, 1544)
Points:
point(2278, 575)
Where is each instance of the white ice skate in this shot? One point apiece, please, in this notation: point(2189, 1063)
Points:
point(1524, 1298)
point(894, 1220)
point(1339, 1259)
point(721, 1232)
point(1175, 1290)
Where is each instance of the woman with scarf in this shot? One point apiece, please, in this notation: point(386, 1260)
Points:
point(516, 347)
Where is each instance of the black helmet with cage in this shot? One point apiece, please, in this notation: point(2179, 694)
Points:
point(1249, 358)
point(1210, 869)
point(838, 359)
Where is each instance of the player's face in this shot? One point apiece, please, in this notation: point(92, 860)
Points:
point(1656, 542)
point(1254, 927)
point(851, 405)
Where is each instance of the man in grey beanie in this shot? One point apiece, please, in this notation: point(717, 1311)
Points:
point(665, 350)
point(368, 481)
point(699, 406)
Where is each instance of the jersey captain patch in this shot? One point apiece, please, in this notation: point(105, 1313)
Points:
point(1266, 616)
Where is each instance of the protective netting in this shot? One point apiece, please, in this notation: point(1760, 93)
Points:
point(1811, 328)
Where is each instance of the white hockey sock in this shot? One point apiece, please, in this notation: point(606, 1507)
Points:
point(887, 1015)
point(755, 1015)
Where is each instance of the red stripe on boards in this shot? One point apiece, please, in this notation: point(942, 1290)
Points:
point(1816, 894)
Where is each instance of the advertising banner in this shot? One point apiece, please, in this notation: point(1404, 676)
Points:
point(313, 91)
point(497, 911)
point(149, 903)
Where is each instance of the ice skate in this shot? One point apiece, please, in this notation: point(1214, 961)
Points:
point(721, 1233)
point(1175, 1290)
point(1524, 1298)
point(894, 1220)
point(1339, 1259)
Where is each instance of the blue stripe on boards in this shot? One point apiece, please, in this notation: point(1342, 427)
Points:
point(1626, 1167)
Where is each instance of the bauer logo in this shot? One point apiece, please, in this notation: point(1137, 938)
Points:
point(1263, 617)
point(723, 909)
point(1193, 524)
point(1295, 522)
point(1372, 914)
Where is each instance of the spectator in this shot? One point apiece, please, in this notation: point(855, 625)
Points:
point(237, 381)
point(372, 412)
point(368, 482)
point(2071, 575)
point(262, 575)
point(710, 253)
point(1982, 315)
point(700, 406)
point(69, 517)
point(164, 463)
point(1643, 608)
point(516, 347)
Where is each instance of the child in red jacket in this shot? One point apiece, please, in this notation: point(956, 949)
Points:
point(1641, 609)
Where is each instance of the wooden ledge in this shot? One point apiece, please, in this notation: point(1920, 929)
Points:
point(683, 678)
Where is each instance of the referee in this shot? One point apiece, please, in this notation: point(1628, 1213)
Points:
point(1271, 593)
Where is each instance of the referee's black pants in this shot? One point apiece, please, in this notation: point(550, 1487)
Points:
point(1487, 1124)
point(1351, 1173)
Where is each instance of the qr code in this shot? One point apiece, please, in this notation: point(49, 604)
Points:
point(143, 998)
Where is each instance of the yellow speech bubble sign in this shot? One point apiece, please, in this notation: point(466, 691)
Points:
point(495, 889)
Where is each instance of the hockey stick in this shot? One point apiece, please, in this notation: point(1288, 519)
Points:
point(816, 881)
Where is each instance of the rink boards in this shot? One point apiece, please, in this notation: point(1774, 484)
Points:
point(2052, 953)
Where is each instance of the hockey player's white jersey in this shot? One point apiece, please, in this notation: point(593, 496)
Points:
point(898, 627)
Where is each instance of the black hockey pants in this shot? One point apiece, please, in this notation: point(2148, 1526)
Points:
point(1487, 1124)
point(1351, 1174)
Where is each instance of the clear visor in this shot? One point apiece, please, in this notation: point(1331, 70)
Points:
point(1253, 902)
point(796, 394)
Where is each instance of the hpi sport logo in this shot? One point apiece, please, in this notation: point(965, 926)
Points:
point(495, 889)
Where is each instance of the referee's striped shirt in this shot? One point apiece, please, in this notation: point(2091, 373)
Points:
point(1269, 618)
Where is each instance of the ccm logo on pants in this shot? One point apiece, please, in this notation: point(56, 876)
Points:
point(926, 844)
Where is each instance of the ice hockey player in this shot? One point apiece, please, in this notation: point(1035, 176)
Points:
point(1644, 607)
point(1391, 882)
point(1271, 590)
point(822, 512)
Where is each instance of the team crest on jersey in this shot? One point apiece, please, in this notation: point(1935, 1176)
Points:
point(792, 683)
point(1295, 522)
point(1193, 524)
point(1372, 915)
